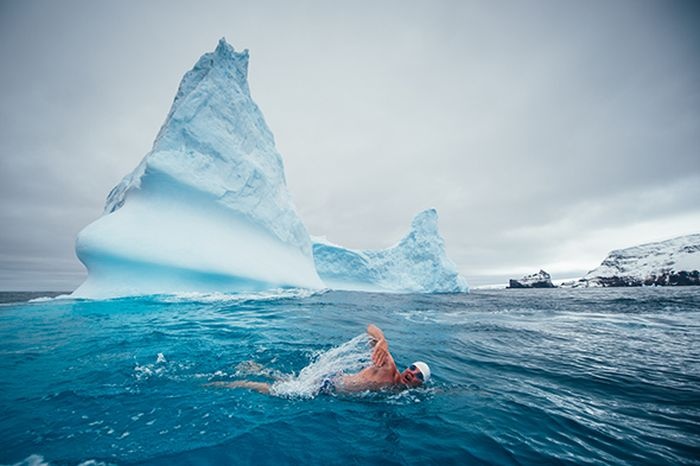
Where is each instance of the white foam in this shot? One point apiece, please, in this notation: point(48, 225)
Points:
point(270, 295)
point(33, 460)
point(38, 460)
point(44, 299)
point(352, 356)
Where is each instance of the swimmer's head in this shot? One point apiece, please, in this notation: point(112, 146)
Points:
point(416, 374)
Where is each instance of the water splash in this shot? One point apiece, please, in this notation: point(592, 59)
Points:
point(352, 356)
point(38, 460)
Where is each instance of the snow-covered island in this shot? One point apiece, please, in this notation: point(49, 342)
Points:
point(418, 263)
point(540, 279)
point(675, 262)
point(208, 210)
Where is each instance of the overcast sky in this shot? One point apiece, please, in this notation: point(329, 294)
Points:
point(546, 133)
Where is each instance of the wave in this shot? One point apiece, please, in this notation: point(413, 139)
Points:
point(43, 299)
point(197, 297)
point(218, 297)
point(38, 460)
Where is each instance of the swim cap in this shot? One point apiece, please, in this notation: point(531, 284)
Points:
point(425, 370)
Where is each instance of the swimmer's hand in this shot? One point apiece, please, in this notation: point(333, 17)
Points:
point(380, 353)
point(375, 333)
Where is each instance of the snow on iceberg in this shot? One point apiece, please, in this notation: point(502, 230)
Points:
point(208, 208)
point(418, 263)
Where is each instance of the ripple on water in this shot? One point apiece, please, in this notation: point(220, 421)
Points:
point(560, 376)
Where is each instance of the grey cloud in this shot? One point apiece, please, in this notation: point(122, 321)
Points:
point(527, 125)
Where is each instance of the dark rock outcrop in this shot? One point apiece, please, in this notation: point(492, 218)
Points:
point(540, 279)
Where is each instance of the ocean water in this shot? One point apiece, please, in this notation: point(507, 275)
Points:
point(598, 376)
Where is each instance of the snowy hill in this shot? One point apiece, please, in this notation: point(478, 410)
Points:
point(418, 263)
point(208, 208)
point(666, 263)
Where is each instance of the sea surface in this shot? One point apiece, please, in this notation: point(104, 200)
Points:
point(592, 376)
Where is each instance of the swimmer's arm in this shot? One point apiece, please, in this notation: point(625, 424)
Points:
point(261, 387)
point(380, 353)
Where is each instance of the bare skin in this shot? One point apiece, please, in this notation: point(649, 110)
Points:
point(262, 387)
point(382, 374)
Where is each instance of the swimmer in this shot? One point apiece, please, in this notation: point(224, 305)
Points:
point(382, 374)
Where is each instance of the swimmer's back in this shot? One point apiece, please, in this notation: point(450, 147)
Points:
point(370, 378)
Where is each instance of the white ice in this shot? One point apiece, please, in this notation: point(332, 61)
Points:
point(208, 208)
point(418, 263)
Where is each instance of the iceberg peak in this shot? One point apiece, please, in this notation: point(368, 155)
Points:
point(207, 209)
point(418, 263)
point(224, 49)
point(425, 223)
point(224, 66)
point(226, 55)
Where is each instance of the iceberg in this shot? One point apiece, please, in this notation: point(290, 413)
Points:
point(417, 264)
point(207, 209)
point(674, 262)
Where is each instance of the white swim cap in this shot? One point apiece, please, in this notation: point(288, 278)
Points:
point(425, 370)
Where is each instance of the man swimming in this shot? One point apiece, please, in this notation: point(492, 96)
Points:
point(382, 374)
